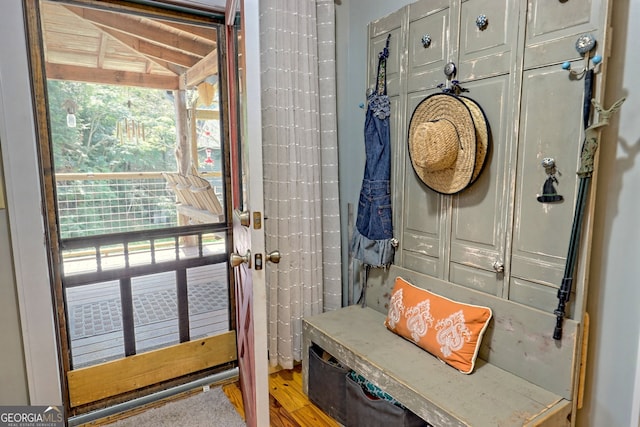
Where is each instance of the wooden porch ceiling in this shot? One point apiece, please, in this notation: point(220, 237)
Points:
point(103, 46)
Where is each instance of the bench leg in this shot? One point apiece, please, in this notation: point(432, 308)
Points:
point(306, 344)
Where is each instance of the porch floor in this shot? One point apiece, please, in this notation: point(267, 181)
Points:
point(95, 316)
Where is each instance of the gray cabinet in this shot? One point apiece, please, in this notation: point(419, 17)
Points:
point(493, 236)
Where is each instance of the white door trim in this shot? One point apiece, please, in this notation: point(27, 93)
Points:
point(24, 207)
point(251, 24)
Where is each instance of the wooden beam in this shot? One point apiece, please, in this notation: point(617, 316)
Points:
point(123, 78)
point(207, 66)
point(128, 42)
point(157, 52)
point(144, 29)
point(108, 379)
point(208, 34)
point(102, 50)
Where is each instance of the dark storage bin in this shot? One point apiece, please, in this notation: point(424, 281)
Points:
point(368, 411)
point(327, 384)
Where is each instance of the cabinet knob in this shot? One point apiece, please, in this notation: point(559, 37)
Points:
point(482, 21)
point(498, 266)
point(426, 40)
point(585, 43)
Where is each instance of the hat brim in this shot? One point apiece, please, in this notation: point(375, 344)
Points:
point(483, 135)
point(444, 106)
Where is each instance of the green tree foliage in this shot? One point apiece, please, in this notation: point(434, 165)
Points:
point(100, 143)
point(94, 145)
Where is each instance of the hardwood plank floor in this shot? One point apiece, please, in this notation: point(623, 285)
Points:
point(289, 406)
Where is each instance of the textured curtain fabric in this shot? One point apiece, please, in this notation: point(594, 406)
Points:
point(300, 157)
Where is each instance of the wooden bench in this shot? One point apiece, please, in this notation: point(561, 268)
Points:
point(195, 197)
point(522, 375)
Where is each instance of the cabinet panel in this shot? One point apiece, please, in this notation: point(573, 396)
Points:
point(553, 26)
point(551, 126)
point(486, 51)
point(480, 280)
point(396, 128)
point(423, 207)
point(377, 43)
point(426, 63)
point(423, 264)
point(422, 217)
point(394, 24)
point(479, 212)
point(532, 294)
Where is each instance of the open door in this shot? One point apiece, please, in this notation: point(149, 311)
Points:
point(248, 224)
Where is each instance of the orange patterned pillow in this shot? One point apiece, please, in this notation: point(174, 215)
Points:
point(450, 330)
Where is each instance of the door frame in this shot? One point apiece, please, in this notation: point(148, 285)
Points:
point(250, 138)
point(66, 382)
point(24, 206)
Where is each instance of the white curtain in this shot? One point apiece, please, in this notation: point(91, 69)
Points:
point(300, 157)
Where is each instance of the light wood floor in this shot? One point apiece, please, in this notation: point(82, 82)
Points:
point(289, 406)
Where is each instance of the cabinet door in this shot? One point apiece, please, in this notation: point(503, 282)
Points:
point(487, 50)
point(551, 126)
point(395, 25)
point(378, 33)
point(422, 244)
point(553, 26)
point(479, 224)
point(427, 60)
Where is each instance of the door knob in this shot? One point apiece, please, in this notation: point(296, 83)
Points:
point(245, 217)
point(274, 257)
point(236, 259)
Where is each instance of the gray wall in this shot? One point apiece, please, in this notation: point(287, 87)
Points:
point(13, 376)
point(612, 393)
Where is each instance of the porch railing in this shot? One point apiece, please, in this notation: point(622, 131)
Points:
point(106, 203)
point(118, 234)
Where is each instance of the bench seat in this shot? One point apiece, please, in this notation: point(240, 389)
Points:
point(518, 380)
point(434, 391)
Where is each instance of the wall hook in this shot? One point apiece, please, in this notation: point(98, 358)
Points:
point(450, 85)
point(584, 45)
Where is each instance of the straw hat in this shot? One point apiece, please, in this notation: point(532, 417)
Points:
point(482, 135)
point(448, 142)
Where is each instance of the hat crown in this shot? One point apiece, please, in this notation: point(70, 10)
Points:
point(448, 141)
point(435, 145)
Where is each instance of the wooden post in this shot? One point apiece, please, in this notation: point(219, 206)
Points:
point(183, 152)
point(193, 137)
